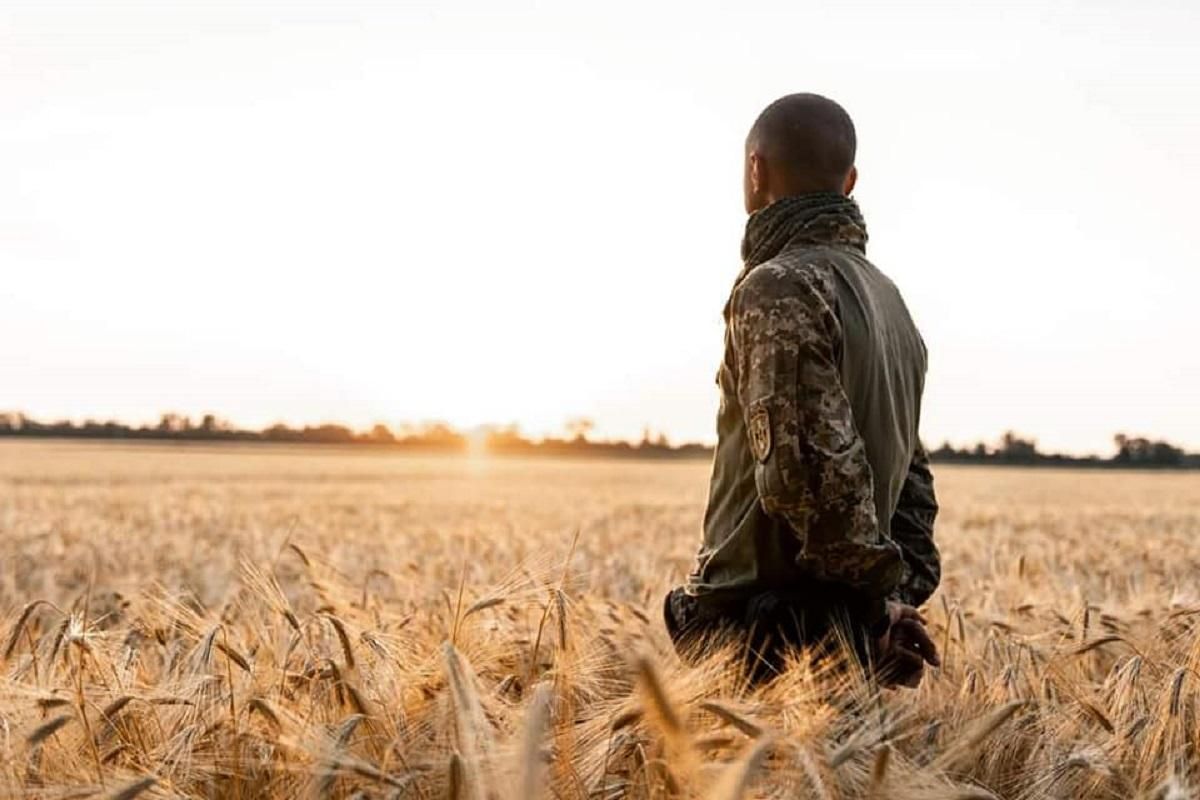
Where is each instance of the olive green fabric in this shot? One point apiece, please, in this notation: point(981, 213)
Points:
point(820, 389)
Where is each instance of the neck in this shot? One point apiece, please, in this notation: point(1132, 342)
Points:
point(800, 191)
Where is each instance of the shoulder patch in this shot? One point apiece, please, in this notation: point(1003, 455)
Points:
point(760, 433)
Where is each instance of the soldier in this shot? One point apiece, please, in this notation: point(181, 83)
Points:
point(821, 505)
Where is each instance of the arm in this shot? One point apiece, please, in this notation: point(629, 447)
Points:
point(912, 529)
point(812, 468)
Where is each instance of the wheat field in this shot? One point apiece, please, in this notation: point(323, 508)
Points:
point(223, 621)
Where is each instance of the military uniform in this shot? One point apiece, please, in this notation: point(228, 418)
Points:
point(821, 503)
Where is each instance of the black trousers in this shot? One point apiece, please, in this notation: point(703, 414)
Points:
point(766, 626)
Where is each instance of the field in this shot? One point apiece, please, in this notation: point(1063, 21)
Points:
point(284, 622)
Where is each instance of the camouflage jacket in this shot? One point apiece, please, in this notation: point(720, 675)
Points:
point(819, 479)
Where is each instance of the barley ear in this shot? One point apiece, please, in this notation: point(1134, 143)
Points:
point(735, 779)
point(537, 722)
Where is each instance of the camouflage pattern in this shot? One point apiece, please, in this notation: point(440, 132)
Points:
point(912, 529)
point(817, 430)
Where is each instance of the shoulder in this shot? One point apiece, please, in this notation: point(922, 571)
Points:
point(787, 281)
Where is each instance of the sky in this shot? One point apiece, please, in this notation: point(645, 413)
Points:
point(522, 212)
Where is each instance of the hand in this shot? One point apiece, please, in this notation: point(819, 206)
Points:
point(905, 647)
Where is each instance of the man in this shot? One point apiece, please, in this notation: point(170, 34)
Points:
point(821, 505)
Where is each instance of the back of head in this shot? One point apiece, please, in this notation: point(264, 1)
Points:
point(807, 143)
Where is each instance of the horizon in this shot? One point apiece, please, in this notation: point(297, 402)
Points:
point(570, 430)
point(339, 212)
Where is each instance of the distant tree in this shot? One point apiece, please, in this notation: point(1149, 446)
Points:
point(381, 434)
point(1140, 451)
point(1165, 454)
point(505, 439)
point(174, 423)
point(328, 434)
point(280, 433)
point(578, 428)
point(1014, 448)
point(436, 435)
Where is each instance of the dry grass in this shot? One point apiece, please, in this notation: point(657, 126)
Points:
point(225, 622)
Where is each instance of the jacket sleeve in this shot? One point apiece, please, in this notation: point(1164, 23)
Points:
point(912, 530)
point(812, 467)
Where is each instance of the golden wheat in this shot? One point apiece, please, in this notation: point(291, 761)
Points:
point(284, 622)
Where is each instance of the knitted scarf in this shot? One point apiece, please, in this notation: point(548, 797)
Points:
point(820, 218)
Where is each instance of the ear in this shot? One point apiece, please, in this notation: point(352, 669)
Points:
point(757, 173)
point(851, 180)
point(754, 184)
point(751, 180)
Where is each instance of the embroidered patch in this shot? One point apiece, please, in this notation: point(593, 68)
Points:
point(760, 433)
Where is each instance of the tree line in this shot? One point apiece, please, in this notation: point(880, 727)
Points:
point(1012, 449)
point(425, 437)
point(1131, 452)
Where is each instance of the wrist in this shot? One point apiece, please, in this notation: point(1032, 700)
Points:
point(879, 627)
point(874, 613)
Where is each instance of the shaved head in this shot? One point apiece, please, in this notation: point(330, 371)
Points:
point(803, 143)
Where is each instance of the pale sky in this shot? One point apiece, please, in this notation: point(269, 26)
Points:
point(503, 211)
